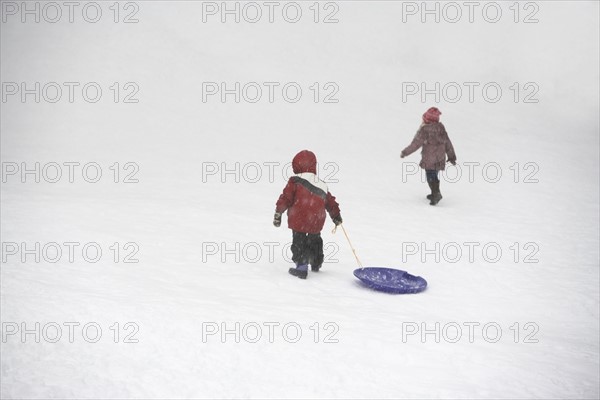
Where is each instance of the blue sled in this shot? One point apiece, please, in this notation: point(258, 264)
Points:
point(390, 280)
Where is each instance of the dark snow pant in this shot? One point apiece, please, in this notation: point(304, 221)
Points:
point(432, 175)
point(307, 248)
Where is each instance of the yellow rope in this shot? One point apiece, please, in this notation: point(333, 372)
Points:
point(350, 243)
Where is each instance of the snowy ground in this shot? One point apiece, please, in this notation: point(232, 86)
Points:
point(209, 311)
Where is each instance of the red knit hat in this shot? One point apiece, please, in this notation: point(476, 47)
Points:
point(305, 161)
point(432, 115)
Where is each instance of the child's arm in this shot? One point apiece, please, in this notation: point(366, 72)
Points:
point(287, 197)
point(415, 144)
point(284, 202)
point(333, 208)
point(450, 150)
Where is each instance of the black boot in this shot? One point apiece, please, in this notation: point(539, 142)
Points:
point(315, 268)
point(431, 188)
point(301, 271)
point(436, 195)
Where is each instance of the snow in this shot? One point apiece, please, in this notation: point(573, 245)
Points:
point(191, 279)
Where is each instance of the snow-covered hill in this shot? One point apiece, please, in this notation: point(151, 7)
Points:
point(190, 296)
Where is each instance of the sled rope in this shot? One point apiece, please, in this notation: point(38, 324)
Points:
point(350, 243)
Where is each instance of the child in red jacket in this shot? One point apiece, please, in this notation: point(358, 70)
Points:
point(306, 198)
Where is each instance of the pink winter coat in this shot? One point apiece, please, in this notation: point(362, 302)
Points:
point(436, 144)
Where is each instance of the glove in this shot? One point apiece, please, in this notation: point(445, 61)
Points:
point(337, 220)
point(277, 220)
point(402, 155)
point(452, 161)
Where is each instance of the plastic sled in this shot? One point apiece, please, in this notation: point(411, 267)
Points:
point(390, 280)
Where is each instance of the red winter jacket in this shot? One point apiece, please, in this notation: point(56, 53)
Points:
point(306, 197)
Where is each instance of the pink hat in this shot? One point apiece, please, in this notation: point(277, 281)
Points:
point(432, 115)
